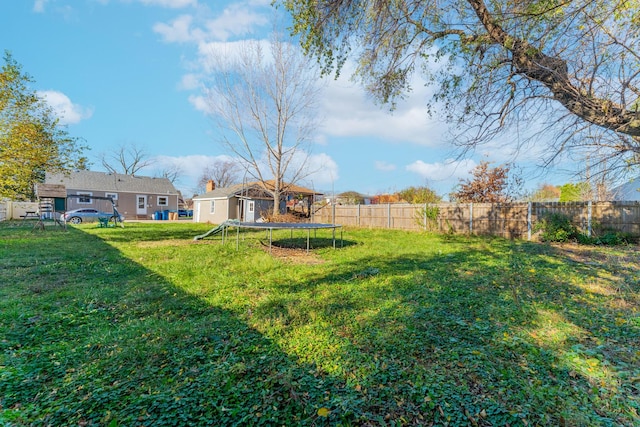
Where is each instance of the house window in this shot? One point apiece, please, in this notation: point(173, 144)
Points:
point(85, 198)
point(114, 196)
point(163, 201)
point(213, 207)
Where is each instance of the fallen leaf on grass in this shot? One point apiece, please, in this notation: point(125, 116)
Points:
point(323, 412)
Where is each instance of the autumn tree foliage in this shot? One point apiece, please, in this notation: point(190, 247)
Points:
point(488, 185)
point(351, 198)
point(545, 193)
point(32, 141)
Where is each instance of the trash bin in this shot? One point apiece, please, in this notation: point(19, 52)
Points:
point(165, 215)
point(157, 215)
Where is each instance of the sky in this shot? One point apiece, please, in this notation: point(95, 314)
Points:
point(130, 72)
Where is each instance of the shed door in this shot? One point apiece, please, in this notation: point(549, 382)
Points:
point(141, 205)
point(250, 213)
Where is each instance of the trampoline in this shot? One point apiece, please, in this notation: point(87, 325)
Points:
point(270, 226)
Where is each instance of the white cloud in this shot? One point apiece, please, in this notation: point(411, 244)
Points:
point(200, 103)
point(178, 31)
point(236, 20)
point(385, 166)
point(67, 111)
point(172, 4)
point(350, 112)
point(39, 5)
point(324, 170)
point(189, 82)
point(446, 171)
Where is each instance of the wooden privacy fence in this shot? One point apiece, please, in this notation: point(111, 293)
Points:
point(509, 220)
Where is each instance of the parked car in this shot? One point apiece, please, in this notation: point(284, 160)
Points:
point(185, 212)
point(78, 216)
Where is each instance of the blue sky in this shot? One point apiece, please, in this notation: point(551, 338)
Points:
point(126, 72)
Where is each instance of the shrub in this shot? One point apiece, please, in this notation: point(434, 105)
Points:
point(430, 213)
point(556, 227)
point(612, 238)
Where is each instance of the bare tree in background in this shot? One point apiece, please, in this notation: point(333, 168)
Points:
point(172, 172)
point(223, 172)
point(263, 99)
point(126, 159)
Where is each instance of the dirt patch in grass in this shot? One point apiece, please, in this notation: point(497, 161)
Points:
point(292, 255)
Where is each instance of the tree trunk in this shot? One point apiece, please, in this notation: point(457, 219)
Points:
point(552, 72)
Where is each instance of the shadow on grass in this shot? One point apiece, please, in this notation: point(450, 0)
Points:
point(91, 338)
point(480, 332)
point(474, 337)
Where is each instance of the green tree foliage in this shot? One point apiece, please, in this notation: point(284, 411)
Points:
point(575, 192)
point(495, 64)
point(419, 195)
point(488, 185)
point(31, 140)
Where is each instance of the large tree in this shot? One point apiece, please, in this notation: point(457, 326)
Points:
point(263, 98)
point(31, 139)
point(566, 66)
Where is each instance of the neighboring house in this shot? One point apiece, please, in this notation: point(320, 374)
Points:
point(136, 197)
point(628, 192)
point(247, 202)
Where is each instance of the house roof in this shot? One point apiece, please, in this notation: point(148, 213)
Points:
point(628, 192)
point(237, 189)
point(111, 182)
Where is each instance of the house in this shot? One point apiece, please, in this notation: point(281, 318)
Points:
point(247, 202)
point(628, 192)
point(137, 197)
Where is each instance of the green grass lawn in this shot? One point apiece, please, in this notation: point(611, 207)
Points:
point(142, 326)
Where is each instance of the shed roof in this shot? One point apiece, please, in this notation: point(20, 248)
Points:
point(111, 182)
point(237, 189)
point(51, 191)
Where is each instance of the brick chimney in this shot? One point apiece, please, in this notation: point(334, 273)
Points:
point(211, 185)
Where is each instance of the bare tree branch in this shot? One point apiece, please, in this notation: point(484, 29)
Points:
point(126, 159)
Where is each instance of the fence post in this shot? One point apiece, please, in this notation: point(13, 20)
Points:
point(426, 205)
point(358, 218)
point(470, 218)
point(589, 218)
point(529, 221)
point(333, 213)
point(388, 215)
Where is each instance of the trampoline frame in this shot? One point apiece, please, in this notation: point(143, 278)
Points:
point(270, 226)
